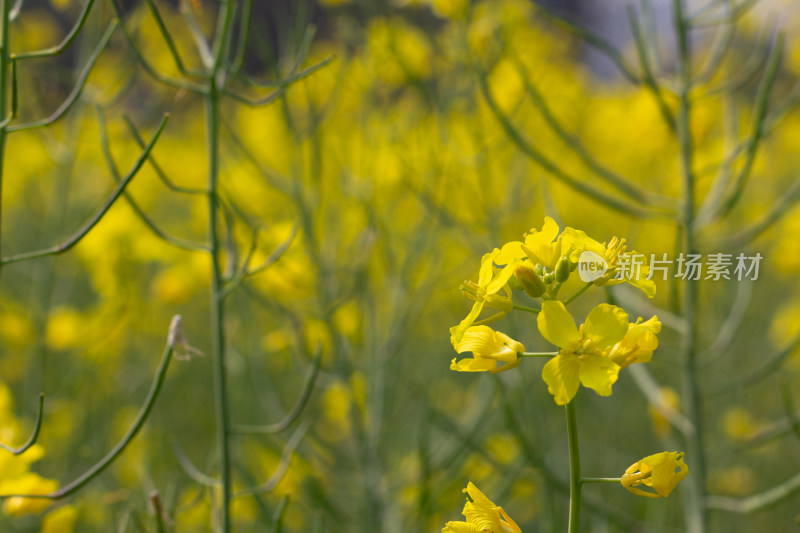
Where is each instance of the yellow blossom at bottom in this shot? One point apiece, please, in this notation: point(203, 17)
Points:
point(482, 516)
point(661, 472)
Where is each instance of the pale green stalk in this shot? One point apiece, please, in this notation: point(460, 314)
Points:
point(574, 470)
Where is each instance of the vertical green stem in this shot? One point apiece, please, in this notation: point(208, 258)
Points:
point(216, 84)
point(574, 470)
point(696, 521)
point(217, 306)
point(4, 67)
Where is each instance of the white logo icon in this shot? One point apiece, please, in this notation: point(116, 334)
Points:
point(591, 266)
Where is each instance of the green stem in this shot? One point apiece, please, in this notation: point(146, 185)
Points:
point(537, 354)
point(697, 519)
point(580, 291)
point(574, 470)
point(4, 64)
point(213, 96)
point(526, 309)
point(600, 480)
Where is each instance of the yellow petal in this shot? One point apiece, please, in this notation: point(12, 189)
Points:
point(598, 373)
point(647, 286)
point(501, 278)
point(576, 241)
point(539, 245)
point(556, 324)
point(473, 365)
point(458, 331)
point(561, 376)
point(487, 268)
point(477, 339)
point(510, 251)
point(605, 325)
point(460, 527)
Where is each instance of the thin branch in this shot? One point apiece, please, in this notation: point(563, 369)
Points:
point(197, 35)
point(34, 436)
point(549, 166)
point(112, 167)
point(176, 83)
point(244, 36)
point(757, 502)
point(98, 215)
point(117, 450)
point(608, 175)
point(789, 198)
point(191, 470)
point(77, 89)
point(730, 326)
point(648, 78)
point(173, 49)
point(771, 364)
point(152, 160)
point(292, 415)
point(64, 44)
point(283, 466)
point(593, 40)
point(652, 391)
point(282, 86)
point(246, 272)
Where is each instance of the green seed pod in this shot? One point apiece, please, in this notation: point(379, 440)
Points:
point(514, 283)
point(530, 281)
point(562, 270)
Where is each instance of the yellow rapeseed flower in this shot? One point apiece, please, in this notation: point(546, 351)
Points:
point(661, 472)
point(576, 241)
point(638, 343)
point(482, 516)
point(488, 347)
point(583, 353)
point(491, 280)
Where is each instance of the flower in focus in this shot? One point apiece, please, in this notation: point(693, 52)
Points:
point(488, 347)
point(482, 516)
point(576, 241)
point(638, 343)
point(661, 472)
point(28, 483)
point(491, 280)
point(582, 357)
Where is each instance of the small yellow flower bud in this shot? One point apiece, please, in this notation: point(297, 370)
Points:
point(562, 269)
point(530, 281)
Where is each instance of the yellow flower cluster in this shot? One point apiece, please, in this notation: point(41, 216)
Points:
point(592, 354)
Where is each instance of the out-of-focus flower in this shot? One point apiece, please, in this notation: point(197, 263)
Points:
point(482, 516)
point(661, 472)
point(29, 483)
point(61, 520)
point(488, 347)
point(669, 398)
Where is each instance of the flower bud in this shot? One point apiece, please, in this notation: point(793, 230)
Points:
point(530, 281)
point(562, 270)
